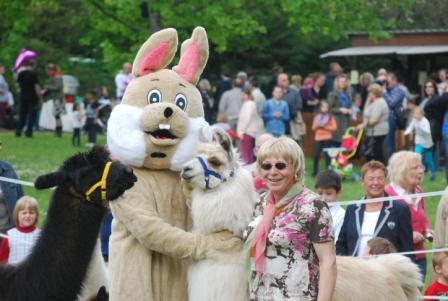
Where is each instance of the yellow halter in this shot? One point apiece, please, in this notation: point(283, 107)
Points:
point(101, 183)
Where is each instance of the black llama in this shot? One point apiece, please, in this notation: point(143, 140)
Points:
point(58, 263)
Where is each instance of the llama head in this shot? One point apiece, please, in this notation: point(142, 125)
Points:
point(214, 163)
point(156, 126)
point(87, 175)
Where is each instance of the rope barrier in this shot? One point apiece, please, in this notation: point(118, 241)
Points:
point(15, 181)
point(390, 198)
point(415, 252)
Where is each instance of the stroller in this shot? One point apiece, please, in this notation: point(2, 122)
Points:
point(340, 155)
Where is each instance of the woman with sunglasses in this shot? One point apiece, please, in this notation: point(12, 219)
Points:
point(291, 239)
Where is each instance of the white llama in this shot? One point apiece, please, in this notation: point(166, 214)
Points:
point(223, 198)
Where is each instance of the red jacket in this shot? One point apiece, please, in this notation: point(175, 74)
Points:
point(419, 219)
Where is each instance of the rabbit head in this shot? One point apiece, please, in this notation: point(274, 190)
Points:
point(161, 118)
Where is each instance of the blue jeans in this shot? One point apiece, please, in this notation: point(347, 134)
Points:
point(421, 263)
point(427, 158)
point(390, 138)
point(445, 146)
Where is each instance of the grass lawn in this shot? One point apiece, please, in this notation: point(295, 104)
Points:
point(44, 153)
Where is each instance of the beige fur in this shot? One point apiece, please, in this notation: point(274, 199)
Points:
point(226, 203)
point(387, 277)
point(149, 245)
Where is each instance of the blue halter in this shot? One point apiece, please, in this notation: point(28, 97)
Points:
point(208, 173)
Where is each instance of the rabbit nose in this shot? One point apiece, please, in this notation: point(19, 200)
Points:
point(168, 112)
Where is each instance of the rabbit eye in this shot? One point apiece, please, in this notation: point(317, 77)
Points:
point(181, 101)
point(154, 96)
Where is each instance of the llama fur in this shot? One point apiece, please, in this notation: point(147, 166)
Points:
point(383, 278)
point(225, 205)
point(58, 263)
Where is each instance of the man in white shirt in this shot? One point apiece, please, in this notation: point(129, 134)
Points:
point(122, 80)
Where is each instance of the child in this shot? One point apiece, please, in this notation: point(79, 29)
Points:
point(276, 113)
point(328, 186)
point(423, 139)
point(77, 116)
point(439, 287)
point(92, 115)
point(379, 245)
point(356, 108)
point(22, 238)
point(323, 126)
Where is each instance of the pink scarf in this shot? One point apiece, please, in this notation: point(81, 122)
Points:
point(261, 235)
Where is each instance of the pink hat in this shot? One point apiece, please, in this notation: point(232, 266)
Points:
point(24, 55)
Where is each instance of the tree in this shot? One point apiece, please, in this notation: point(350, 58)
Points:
point(251, 35)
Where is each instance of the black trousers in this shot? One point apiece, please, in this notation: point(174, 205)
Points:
point(317, 150)
point(76, 138)
point(27, 116)
point(378, 153)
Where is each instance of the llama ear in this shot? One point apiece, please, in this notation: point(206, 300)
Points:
point(224, 140)
point(48, 180)
point(193, 56)
point(156, 53)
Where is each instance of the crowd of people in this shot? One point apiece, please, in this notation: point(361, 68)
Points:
point(380, 106)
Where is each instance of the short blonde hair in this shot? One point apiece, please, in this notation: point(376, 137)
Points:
point(372, 165)
point(376, 90)
point(399, 163)
point(285, 148)
point(437, 258)
point(25, 202)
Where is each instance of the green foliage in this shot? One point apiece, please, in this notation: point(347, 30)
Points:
point(251, 35)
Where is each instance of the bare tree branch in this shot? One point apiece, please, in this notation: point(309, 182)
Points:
point(111, 15)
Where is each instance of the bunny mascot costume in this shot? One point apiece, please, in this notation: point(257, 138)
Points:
point(156, 129)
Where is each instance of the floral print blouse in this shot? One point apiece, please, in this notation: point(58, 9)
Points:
point(291, 270)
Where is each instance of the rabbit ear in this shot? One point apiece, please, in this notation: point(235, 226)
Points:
point(156, 53)
point(193, 56)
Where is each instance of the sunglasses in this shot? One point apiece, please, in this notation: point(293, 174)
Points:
point(278, 166)
point(429, 87)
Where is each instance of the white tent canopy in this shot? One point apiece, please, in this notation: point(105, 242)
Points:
point(382, 50)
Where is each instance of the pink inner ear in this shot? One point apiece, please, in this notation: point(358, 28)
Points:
point(154, 59)
point(189, 62)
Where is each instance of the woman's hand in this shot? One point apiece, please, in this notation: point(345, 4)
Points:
point(417, 237)
point(359, 126)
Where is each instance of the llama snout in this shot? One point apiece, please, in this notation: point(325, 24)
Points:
point(187, 173)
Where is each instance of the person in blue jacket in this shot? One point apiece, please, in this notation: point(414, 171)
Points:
point(9, 194)
point(276, 113)
point(390, 219)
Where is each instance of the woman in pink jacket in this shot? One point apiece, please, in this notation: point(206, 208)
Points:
point(249, 127)
point(406, 174)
